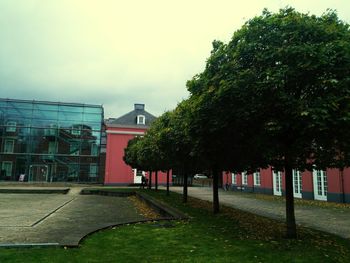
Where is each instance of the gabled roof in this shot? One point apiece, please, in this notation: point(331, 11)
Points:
point(130, 118)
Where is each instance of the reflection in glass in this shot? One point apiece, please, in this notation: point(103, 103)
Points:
point(46, 141)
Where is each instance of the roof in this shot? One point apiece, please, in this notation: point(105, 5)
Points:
point(52, 102)
point(130, 119)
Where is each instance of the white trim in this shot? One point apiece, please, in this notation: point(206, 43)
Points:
point(234, 178)
point(244, 178)
point(137, 176)
point(257, 178)
point(141, 117)
point(320, 185)
point(277, 182)
point(125, 132)
point(297, 183)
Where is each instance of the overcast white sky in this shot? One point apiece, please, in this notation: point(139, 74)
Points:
point(118, 53)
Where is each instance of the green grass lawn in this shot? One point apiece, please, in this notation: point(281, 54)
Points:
point(232, 236)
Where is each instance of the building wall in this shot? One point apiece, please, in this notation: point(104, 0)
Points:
point(266, 180)
point(117, 172)
point(338, 184)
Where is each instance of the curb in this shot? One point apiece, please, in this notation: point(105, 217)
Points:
point(34, 191)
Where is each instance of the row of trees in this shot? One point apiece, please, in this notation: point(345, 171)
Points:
point(278, 94)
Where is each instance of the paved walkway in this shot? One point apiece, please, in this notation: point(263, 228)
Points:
point(60, 219)
point(332, 220)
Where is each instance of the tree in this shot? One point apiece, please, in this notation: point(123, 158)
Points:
point(174, 144)
point(282, 81)
point(130, 153)
point(159, 130)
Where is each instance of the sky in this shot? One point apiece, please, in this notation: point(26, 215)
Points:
point(117, 53)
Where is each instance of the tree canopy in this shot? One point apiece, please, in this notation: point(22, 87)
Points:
point(277, 94)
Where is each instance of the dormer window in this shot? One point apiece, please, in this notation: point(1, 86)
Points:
point(141, 119)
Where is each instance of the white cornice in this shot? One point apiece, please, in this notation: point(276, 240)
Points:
point(125, 132)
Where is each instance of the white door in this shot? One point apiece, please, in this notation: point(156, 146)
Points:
point(138, 176)
point(297, 184)
point(320, 185)
point(277, 182)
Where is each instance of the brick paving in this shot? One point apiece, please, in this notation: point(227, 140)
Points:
point(332, 220)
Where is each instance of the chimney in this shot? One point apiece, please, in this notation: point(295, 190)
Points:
point(138, 106)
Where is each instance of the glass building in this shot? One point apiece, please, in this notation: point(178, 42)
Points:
point(50, 141)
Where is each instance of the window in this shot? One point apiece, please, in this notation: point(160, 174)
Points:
point(74, 148)
point(297, 183)
point(75, 132)
point(94, 149)
point(52, 148)
point(234, 178)
point(244, 178)
point(257, 178)
point(11, 126)
point(93, 170)
point(73, 170)
point(141, 119)
point(52, 131)
point(322, 186)
point(8, 146)
point(6, 168)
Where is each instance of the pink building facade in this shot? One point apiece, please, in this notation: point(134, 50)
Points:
point(119, 131)
point(326, 185)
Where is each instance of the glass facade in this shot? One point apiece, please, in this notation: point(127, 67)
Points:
point(48, 141)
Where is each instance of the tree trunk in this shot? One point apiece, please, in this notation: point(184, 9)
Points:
point(184, 196)
point(167, 182)
point(150, 180)
point(216, 207)
point(156, 182)
point(291, 226)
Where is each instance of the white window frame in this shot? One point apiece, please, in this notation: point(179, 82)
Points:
point(277, 182)
point(234, 178)
point(3, 167)
point(11, 126)
point(141, 119)
point(297, 183)
point(257, 178)
point(244, 178)
point(320, 181)
point(12, 147)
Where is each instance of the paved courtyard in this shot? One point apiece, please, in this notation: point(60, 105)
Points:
point(60, 219)
point(333, 220)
